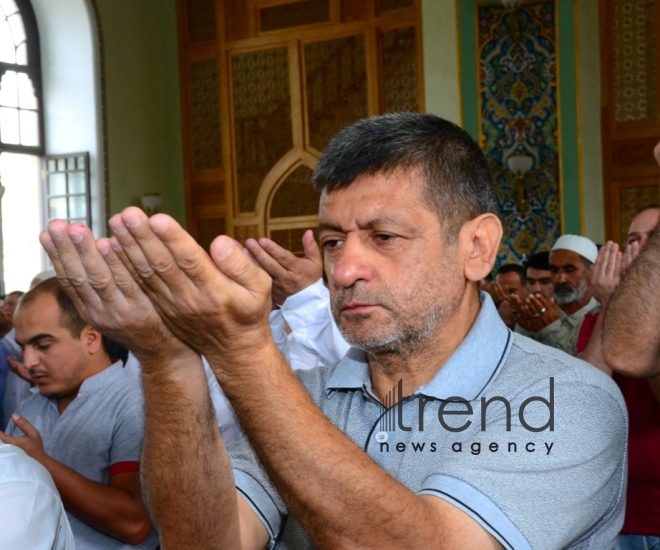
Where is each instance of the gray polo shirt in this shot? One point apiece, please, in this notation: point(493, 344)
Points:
point(551, 474)
point(102, 427)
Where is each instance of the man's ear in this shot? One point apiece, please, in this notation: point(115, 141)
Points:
point(479, 239)
point(93, 339)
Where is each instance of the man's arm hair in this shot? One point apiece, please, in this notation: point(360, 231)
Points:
point(329, 484)
point(188, 483)
point(631, 330)
point(115, 509)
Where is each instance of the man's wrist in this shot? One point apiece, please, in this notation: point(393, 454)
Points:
point(246, 361)
point(170, 355)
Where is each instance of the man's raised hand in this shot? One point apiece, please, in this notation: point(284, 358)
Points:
point(290, 274)
point(218, 305)
point(105, 291)
point(605, 273)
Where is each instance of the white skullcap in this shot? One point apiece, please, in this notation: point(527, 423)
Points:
point(580, 245)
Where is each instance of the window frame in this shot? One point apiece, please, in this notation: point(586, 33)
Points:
point(46, 195)
point(33, 72)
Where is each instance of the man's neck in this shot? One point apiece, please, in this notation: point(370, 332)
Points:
point(98, 365)
point(420, 367)
point(64, 402)
point(570, 309)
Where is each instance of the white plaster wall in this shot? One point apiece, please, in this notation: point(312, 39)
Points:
point(71, 88)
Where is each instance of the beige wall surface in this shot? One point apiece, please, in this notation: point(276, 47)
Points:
point(143, 121)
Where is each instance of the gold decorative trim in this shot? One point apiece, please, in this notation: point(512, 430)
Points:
point(459, 67)
point(578, 99)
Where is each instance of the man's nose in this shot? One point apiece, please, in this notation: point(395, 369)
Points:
point(559, 278)
point(352, 264)
point(30, 358)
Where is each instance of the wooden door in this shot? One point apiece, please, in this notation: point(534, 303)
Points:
point(283, 77)
point(630, 75)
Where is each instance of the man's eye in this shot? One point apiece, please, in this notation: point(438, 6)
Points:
point(385, 237)
point(331, 244)
point(632, 240)
point(42, 347)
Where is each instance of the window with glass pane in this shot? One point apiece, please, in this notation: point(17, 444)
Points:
point(20, 79)
point(66, 187)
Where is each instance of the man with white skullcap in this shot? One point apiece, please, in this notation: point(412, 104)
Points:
point(559, 319)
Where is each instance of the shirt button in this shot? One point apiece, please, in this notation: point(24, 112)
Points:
point(382, 437)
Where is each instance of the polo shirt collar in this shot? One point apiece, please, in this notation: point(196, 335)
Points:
point(101, 379)
point(467, 373)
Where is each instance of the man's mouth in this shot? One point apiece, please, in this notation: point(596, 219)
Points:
point(356, 307)
point(38, 377)
point(563, 289)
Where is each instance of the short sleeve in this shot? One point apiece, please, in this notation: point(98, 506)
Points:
point(253, 483)
point(508, 481)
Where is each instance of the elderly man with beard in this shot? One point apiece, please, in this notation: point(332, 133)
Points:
point(407, 222)
point(558, 321)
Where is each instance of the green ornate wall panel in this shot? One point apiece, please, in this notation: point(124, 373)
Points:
point(518, 89)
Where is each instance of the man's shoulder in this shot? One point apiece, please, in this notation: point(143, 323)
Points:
point(116, 384)
point(530, 362)
point(315, 380)
point(35, 403)
point(16, 465)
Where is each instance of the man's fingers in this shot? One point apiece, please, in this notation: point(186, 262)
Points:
point(8, 439)
point(252, 258)
point(19, 369)
point(535, 303)
point(230, 259)
point(49, 246)
point(189, 258)
point(311, 248)
point(152, 264)
point(99, 277)
point(631, 252)
point(67, 261)
point(122, 276)
point(616, 266)
point(264, 258)
point(28, 429)
point(610, 263)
